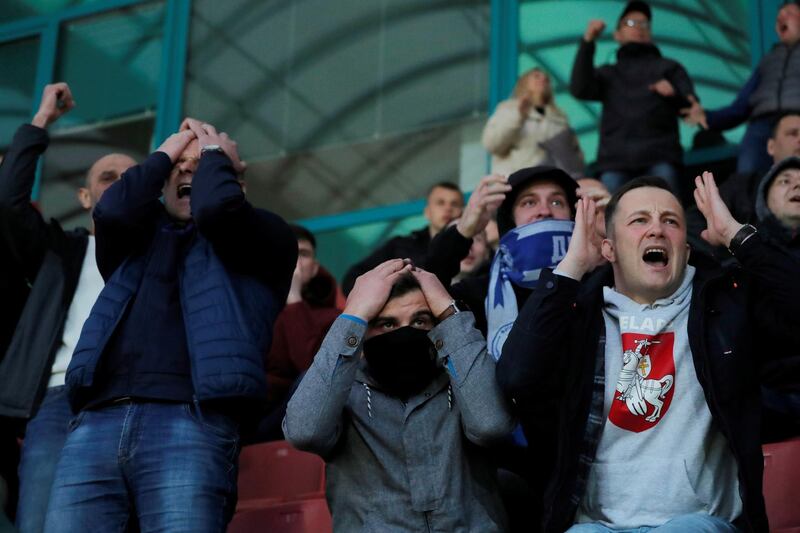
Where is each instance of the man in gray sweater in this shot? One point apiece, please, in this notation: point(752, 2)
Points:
point(400, 401)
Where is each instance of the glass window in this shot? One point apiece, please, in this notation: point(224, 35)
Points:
point(18, 9)
point(16, 85)
point(342, 105)
point(112, 63)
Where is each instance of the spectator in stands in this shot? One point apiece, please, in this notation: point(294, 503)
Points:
point(747, 194)
point(647, 369)
point(170, 359)
point(642, 95)
point(528, 195)
point(310, 310)
point(445, 202)
point(477, 261)
point(60, 266)
point(402, 428)
point(772, 90)
point(529, 129)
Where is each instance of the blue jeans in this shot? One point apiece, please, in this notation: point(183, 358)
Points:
point(44, 437)
point(614, 179)
point(171, 466)
point(753, 156)
point(696, 523)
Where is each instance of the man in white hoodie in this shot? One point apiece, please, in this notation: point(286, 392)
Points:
point(648, 369)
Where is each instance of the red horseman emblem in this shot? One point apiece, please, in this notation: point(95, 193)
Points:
point(646, 382)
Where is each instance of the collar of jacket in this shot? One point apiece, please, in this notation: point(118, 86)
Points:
point(634, 50)
point(439, 382)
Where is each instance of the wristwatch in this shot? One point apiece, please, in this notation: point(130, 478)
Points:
point(456, 306)
point(747, 231)
point(211, 148)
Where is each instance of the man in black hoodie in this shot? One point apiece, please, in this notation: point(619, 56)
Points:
point(642, 94)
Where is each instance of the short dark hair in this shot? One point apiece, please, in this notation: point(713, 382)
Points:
point(405, 283)
point(636, 183)
point(777, 123)
point(449, 185)
point(303, 234)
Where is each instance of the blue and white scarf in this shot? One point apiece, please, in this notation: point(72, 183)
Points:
point(523, 253)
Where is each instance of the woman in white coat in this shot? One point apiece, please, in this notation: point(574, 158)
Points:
point(529, 129)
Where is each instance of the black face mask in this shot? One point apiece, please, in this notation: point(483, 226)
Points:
point(403, 361)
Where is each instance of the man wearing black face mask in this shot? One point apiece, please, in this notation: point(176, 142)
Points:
point(403, 426)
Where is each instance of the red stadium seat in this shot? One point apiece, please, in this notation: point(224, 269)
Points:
point(782, 485)
point(274, 472)
point(303, 516)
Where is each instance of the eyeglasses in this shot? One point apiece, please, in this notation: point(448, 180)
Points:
point(634, 23)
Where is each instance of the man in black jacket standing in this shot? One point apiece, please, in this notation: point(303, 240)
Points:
point(61, 269)
point(642, 94)
point(648, 370)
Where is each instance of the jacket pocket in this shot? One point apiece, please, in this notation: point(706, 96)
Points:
point(647, 491)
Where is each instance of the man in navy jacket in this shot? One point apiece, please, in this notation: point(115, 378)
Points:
point(171, 355)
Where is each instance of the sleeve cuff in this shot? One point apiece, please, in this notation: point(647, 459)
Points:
point(356, 319)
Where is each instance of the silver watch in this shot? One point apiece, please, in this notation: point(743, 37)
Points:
point(211, 148)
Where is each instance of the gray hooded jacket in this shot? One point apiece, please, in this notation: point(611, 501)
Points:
point(414, 466)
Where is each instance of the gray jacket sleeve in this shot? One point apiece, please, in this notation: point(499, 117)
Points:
point(462, 351)
point(313, 420)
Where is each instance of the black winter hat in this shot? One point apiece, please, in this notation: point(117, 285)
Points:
point(639, 6)
point(521, 179)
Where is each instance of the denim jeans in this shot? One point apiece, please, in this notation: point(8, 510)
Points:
point(45, 434)
point(614, 179)
point(170, 466)
point(753, 156)
point(696, 523)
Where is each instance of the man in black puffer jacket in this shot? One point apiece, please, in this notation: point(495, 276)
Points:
point(642, 95)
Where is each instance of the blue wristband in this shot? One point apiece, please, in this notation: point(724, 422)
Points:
point(357, 320)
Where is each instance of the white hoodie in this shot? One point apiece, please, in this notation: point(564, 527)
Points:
point(660, 454)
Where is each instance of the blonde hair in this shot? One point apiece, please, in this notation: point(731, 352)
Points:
point(521, 87)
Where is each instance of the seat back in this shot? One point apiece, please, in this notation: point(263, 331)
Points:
point(782, 485)
point(274, 472)
point(303, 516)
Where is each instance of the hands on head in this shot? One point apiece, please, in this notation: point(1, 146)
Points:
point(206, 135)
point(483, 204)
point(371, 289)
point(56, 100)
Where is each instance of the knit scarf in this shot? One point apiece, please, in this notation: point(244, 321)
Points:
point(523, 253)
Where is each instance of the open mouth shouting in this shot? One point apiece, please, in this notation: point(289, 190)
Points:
point(184, 189)
point(656, 256)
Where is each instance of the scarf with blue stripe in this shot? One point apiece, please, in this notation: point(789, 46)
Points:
point(523, 253)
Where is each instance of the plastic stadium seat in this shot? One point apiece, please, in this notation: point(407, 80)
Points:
point(782, 485)
point(274, 472)
point(303, 516)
